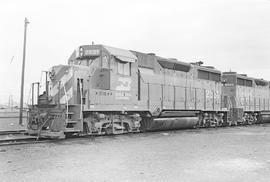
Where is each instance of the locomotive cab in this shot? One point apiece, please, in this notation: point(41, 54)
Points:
point(97, 78)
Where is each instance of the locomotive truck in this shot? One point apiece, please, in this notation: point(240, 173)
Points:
point(106, 90)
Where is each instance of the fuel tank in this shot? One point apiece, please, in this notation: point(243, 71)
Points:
point(175, 123)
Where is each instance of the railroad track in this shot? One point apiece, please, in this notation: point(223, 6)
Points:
point(22, 142)
point(17, 138)
point(20, 138)
point(12, 132)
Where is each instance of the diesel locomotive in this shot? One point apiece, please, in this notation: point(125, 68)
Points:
point(106, 90)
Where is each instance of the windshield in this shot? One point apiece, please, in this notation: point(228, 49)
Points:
point(94, 62)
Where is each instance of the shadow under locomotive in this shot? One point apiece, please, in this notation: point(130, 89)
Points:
point(105, 90)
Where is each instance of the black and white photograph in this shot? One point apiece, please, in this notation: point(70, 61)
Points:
point(135, 91)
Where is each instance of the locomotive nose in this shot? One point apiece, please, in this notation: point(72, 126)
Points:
point(61, 84)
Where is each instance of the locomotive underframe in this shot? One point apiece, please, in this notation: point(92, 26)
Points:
point(113, 122)
point(213, 119)
point(54, 122)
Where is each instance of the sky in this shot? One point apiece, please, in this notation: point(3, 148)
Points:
point(227, 34)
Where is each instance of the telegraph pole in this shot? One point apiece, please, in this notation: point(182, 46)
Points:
point(23, 66)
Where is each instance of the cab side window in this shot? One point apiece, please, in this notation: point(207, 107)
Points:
point(123, 68)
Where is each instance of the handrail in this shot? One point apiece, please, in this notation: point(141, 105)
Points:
point(81, 112)
point(39, 131)
point(66, 97)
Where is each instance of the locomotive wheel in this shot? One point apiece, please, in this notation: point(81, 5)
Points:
point(207, 124)
point(108, 130)
point(127, 127)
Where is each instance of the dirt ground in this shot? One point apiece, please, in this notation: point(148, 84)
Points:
point(223, 154)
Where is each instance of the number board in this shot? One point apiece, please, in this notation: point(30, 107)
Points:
point(91, 52)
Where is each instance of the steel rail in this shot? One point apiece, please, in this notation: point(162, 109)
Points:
point(12, 132)
point(23, 142)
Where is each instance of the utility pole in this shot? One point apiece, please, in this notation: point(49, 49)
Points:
point(23, 66)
